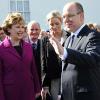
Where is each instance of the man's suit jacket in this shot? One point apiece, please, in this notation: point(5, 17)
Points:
point(18, 74)
point(84, 58)
point(37, 52)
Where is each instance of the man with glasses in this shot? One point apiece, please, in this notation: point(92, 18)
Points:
point(81, 60)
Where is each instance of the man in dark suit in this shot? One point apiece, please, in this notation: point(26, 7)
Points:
point(81, 56)
point(33, 30)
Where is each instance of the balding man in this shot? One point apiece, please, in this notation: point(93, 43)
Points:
point(80, 55)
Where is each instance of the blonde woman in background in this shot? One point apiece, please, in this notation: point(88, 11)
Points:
point(53, 62)
point(94, 26)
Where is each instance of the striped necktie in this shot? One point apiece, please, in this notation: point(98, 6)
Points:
point(71, 41)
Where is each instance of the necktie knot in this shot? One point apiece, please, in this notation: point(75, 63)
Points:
point(34, 45)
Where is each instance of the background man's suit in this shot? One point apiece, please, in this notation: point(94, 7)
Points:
point(82, 67)
point(37, 53)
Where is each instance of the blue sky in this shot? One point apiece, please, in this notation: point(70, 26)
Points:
point(40, 8)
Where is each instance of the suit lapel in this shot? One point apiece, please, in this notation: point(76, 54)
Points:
point(80, 36)
point(76, 41)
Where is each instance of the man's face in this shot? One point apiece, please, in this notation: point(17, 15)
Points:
point(34, 31)
point(72, 18)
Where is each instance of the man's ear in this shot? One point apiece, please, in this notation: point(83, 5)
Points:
point(82, 16)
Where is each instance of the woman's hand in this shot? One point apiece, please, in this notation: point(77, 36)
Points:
point(57, 45)
point(37, 95)
point(44, 91)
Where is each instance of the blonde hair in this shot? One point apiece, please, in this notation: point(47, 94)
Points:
point(11, 19)
point(54, 14)
point(97, 26)
point(94, 26)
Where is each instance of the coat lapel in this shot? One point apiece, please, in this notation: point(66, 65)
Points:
point(24, 52)
point(7, 44)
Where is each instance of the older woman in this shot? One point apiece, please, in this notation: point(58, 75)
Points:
point(18, 75)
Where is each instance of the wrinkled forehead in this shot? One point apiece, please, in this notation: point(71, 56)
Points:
point(36, 25)
point(33, 25)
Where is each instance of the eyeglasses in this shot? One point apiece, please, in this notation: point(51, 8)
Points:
point(70, 16)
